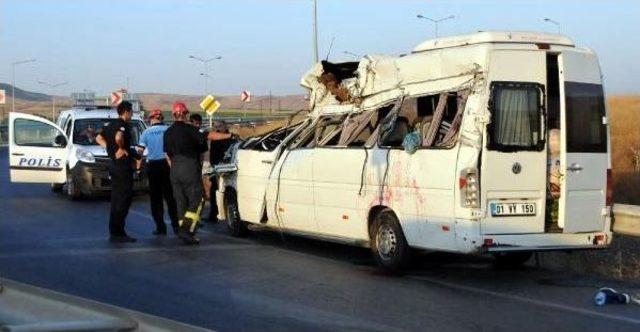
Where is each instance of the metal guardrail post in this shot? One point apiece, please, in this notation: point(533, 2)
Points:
point(626, 219)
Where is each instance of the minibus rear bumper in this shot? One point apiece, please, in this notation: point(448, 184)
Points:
point(546, 242)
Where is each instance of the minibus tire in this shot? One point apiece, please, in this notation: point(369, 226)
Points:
point(388, 244)
point(236, 226)
point(511, 259)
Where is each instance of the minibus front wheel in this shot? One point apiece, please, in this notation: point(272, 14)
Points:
point(236, 226)
point(388, 244)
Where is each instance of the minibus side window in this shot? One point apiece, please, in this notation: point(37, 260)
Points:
point(516, 117)
point(586, 128)
point(360, 129)
point(432, 120)
point(328, 133)
point(304, 138)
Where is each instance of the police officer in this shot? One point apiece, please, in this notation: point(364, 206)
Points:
point(184, 144)
point(116, 138)
point(160, 190)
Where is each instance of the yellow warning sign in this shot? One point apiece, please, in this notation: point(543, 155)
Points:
point(209, 104)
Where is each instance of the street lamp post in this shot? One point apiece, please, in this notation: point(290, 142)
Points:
point(13, 87)
point(435, 21)
point(52, 86)
point(556, 23)
point(206, 62)
point(315, 31)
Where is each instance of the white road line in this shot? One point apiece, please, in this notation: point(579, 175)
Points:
point(119, 250)
point(527, 300)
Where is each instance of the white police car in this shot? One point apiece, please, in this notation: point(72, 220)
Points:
point(65, 154)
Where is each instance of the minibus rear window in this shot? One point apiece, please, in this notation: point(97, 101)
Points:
point(585, 112)
point(516, 117)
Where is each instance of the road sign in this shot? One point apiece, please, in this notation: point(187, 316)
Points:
point(209, 104)
point(116, 98)
point(245, 96)
point(3, 97)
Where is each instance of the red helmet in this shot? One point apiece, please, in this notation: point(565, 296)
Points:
point(179, 108)
point(155, 114)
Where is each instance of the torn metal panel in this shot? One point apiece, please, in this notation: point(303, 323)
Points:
point(378, 79)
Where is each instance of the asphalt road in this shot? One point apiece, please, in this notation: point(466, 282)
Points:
point(268, 282)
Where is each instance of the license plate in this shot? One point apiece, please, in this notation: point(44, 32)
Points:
point(513, 209)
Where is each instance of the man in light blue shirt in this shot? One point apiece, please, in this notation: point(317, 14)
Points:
point(158, 171)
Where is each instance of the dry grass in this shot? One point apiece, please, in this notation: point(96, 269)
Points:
point(625, 141)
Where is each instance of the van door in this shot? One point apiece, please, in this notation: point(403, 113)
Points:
point(583, 144)
point(37, 150)
point(254, 168)
point(514, 158)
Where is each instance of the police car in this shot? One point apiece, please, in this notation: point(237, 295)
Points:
point(66, 153)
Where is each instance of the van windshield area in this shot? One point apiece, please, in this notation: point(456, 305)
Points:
point(516, 117)
point(86, 130)
point(585, 112)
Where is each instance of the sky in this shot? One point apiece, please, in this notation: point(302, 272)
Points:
point(266, 45)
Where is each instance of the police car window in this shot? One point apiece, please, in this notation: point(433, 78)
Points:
point(86, 130)
point(35, 133)
point(67, 128)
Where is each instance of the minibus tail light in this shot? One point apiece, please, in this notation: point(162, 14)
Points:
point(609, 199)
point(469, 188)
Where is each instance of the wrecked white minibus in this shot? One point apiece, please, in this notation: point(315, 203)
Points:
point(493, 142)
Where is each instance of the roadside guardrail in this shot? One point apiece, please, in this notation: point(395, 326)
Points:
point(626, 219)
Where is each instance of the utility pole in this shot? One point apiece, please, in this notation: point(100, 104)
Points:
point(315, 31)
point(13, 87)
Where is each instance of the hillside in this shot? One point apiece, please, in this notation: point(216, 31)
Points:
point(25, 95)
point(40, 103)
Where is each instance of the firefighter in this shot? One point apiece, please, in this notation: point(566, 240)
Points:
point(116, 138)
point(160, 190)
point(184, 144)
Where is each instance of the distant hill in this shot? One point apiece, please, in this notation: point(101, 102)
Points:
point(40, 103)
point(25, 95)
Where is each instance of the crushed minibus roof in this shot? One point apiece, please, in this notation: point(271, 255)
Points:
point(376, 80)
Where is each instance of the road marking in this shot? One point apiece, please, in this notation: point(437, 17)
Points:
point(527, 300)
point(117, 249)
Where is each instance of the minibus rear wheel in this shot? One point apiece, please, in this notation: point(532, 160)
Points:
point(388, 244)
point(511, 259)
point(236, 226)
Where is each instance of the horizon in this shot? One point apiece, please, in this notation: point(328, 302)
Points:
point(133, 43)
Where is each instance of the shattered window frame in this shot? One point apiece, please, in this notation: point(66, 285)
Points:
point(457, 93)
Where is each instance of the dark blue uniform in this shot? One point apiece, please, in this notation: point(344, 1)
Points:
point(121, 172)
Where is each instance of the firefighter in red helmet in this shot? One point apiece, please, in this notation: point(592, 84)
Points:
point(183, 144)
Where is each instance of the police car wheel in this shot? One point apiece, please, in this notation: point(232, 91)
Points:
point(71, 189)
point(57, 187)
point(511, 259)
point(236, 226)
point(388, 244)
